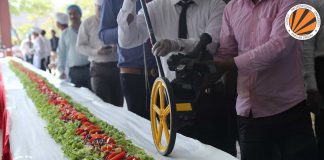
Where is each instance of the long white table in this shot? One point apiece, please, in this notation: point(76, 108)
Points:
point(29, 138)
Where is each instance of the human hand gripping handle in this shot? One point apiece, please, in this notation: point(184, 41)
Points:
point(165, 46)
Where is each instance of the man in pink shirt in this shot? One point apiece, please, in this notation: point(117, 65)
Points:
point(272, 115)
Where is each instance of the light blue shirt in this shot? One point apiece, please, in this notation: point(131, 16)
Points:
point(67, 53)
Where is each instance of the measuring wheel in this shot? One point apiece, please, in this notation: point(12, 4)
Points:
point(162, 109)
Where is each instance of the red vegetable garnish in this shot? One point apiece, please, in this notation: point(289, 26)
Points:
point(90, 133)
point(119, 156)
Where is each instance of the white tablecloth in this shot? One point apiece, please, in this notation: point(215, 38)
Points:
point(29, 139)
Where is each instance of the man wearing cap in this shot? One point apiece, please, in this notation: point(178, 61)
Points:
point(62, 20)
point(47, 55)
point(104, 72)
point(67, 54)
point(39, 47)
point(28, 49)
point(54, 44)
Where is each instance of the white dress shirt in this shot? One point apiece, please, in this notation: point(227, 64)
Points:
point(67, 54)
point(314, 48)
point(27, 47)
point(88, 42)
point(204, 16)
point(47, 46)
point(40, 50)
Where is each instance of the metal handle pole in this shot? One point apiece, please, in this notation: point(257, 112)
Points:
point(152, 36)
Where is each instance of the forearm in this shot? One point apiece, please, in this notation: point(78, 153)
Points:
point(187, 45)
point(61, 62)
point(109, 35)
point(87, 50)
point(266, 55)
point(61, 65)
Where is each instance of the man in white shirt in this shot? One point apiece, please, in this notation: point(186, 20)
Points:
point(62, 20)
point(47, 49)
point(68, 57)
point(39, 47)
point(27, 49)
point(314, 75)
point(104, 72)
point(169, 19)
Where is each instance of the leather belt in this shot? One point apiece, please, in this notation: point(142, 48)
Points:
point(105, 64)
point(139, 71)
point(78, 67)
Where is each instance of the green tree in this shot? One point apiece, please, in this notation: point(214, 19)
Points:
point(35, 9)
point(44, 9)
point(86, 6)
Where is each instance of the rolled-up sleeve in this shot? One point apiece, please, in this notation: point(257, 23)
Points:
point(133, 34)
point(108, 32)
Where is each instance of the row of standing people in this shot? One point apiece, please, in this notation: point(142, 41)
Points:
point(36, 48)
point(273, 116)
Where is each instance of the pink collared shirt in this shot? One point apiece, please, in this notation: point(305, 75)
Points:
point(269, 60)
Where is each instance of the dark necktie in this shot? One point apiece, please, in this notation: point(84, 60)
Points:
point(183, 30)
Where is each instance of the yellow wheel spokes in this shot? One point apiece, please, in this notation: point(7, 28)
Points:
point(156, 109)
point(162, 99)
point(159, 134)
point(160, 111)
point(166, 111)
point(166, 130)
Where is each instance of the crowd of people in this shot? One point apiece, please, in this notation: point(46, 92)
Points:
point(271, 83)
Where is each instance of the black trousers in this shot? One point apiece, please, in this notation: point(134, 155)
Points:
point(215, 123)
point(105, 82)
point(285, 136)
point(43, 64)
point(80, 76)
point(319, 119)
point(47, 62)
point(133, 87)
point(29, 58)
